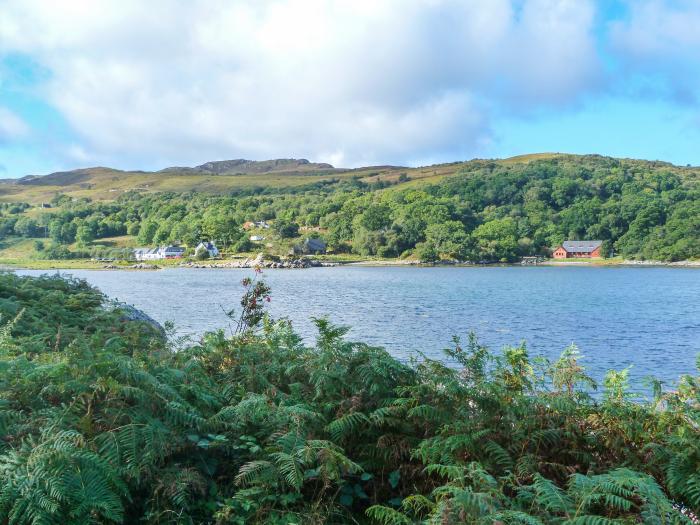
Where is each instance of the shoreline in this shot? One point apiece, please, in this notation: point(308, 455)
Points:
point(224, 264)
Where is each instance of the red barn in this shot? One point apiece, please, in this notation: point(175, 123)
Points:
point(574, 249)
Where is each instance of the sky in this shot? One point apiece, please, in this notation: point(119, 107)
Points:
point(146, 85)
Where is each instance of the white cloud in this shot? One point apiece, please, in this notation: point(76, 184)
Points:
point(168, 82)
point(659, 41)
point(12, 127)
point(659, 29)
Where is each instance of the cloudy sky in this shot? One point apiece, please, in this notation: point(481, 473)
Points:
point(134, 84)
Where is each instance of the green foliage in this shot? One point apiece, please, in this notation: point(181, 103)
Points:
point(202, 254)
point(286, 229)
point(102, 422)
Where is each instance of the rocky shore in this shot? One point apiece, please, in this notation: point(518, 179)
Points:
point(688, 264)
point(137, 266)
point(260, 262)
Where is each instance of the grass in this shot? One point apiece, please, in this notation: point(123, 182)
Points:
point(590, 261)
point(18, 248)
point(46, 264)
point(121, 241)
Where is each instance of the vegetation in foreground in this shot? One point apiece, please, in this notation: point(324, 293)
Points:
point(102, 421)
point(494, 211)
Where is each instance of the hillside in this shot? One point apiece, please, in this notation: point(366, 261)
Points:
point(479, 210)
point(219, 177)
point(223, 177)
point(216, 177)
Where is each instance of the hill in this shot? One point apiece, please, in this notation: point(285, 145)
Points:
point(226, 176)
point(216, 177)
point(220, 177)
point(479, 210)
point(243, 166)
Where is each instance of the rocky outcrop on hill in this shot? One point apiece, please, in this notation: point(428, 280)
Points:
point(220, 167)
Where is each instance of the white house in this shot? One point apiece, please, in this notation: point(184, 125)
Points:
point(164, 252)
point(209, 247)
point(146, 254)
point(257, 238)
point(139, 253)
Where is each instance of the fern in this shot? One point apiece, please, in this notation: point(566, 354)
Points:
point(387, 516)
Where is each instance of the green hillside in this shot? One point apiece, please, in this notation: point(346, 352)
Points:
point(479, 210)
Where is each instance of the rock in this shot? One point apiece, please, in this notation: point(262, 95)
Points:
point(258, 262)
point(131, 313)
point(144, 266)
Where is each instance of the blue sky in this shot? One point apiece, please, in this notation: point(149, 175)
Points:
point(135, 85)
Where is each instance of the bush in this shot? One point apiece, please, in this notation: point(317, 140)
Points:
point(201, 255)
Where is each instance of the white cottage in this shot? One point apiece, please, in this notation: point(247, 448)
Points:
point(209, 247)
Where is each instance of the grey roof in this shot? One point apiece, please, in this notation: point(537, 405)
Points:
point(581, 246)
point(315, 245)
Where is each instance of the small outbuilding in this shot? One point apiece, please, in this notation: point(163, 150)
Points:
point(578, 249)
point(310, 245)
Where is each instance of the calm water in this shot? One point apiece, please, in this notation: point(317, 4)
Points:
point(646, 317)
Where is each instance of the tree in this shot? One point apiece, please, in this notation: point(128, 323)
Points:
point(27, 227)
point(147, 231)
point(286, 229)
point(84, 235)
point(375, 217)
point(496, 240)
point(448, 240)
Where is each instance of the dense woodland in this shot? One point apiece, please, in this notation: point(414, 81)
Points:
point(488, 211)
point(102, 421)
